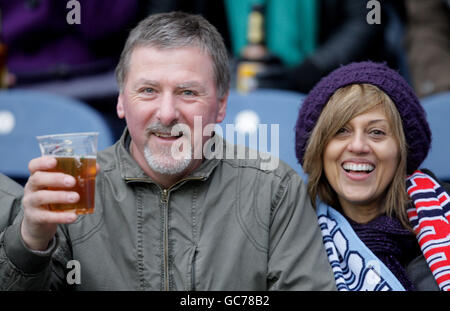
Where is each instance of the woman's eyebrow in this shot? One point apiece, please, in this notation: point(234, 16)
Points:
point(377, 120)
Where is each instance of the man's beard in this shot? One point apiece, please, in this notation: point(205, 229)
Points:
point(162, 160)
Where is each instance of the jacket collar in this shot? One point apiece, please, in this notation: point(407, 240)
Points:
point(130, 169)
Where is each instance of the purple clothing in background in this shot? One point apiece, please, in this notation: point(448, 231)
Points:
point(41, 42)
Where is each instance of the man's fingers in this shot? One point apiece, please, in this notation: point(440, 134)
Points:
point(43, 216)
point(56, 217)
point(39, 223)
point(45, 197)
point(41, 164)
point(41, 179)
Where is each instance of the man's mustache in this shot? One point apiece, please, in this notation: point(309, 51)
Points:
point(164, 129)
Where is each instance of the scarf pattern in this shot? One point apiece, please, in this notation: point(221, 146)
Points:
point(355, 266)
point(430, 219)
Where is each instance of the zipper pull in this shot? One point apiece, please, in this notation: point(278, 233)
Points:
point(164, 196)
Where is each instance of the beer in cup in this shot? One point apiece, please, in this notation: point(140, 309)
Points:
point(76, 154)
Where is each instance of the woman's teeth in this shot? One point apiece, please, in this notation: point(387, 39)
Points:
point(360, 167)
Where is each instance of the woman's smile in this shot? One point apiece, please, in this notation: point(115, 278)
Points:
point(361, 159)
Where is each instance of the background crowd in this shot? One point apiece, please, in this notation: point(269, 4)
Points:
point(295, 45)
point(304, 40)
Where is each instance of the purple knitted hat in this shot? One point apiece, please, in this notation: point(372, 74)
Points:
point(415, 126)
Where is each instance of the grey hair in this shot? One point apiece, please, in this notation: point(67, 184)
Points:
point(175, 30)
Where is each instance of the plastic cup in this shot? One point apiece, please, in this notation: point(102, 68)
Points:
point(76, 154)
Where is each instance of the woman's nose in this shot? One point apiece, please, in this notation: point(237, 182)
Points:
point(358, 143)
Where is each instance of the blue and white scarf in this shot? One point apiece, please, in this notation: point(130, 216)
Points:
point(355, 266)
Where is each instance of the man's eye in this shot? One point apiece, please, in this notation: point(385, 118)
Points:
point(188, 93)
point(148, 90)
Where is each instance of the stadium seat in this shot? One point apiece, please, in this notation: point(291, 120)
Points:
point(249, 113)
point(437, 108)
point(26, 114)
point(246, 111)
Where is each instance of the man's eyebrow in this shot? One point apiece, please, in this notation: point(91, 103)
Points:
point(189, 84)
point(144, 81)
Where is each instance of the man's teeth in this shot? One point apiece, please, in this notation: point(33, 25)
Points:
point(166, 135)
point(358, 167)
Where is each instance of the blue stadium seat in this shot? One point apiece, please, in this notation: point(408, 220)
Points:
point(438, 116)
point(281, 107)
point(266, 107)
point(27, 114)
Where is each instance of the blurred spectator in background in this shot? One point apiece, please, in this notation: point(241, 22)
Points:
point(213, 11)
point(42, 45)
point(47, 53)
point(311, 38)
point(428, 45)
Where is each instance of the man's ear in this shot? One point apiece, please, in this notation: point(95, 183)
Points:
point(120, 108)
point(222, 108)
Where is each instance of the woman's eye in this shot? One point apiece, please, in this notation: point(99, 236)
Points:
point(378, 132)
point(342, 130)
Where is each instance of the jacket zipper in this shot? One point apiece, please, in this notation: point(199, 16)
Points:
point(165, 205)
point(164, 202)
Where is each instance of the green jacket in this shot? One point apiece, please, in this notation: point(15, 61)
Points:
point(228, 226)
point(10, 196)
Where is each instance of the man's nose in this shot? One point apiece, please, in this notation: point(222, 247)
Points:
point(167, 112)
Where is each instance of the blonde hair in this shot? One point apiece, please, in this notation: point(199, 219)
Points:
point(345, 104)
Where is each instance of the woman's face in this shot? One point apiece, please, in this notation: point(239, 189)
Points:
point(360, 162)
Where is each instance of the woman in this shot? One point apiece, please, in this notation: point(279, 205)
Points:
point(371, 133)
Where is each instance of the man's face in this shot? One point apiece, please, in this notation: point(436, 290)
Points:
point(164, 88)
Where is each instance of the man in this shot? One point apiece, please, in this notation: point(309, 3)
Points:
point(164, 221)
point(10, 195)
